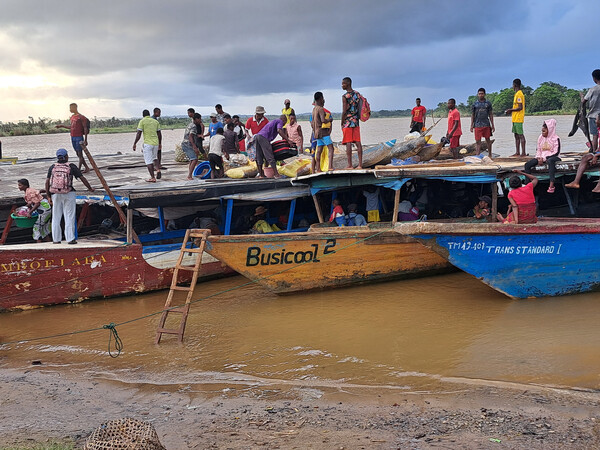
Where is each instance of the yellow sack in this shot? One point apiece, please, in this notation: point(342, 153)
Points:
point(248, 171)
point(295, 168)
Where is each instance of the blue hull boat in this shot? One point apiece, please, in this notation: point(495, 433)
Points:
point(551, 258)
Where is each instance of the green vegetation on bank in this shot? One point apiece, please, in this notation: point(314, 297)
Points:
point(548, 99)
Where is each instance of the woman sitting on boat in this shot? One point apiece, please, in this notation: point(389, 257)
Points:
point(522, 201)
point(37, 203)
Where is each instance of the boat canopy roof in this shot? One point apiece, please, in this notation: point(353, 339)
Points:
point(392, 179)
point(283, 194)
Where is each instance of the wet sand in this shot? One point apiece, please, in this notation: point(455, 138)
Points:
point(40, 404)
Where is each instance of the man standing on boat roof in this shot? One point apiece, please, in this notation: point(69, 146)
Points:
point(482, 121)
point(418, 114)
point(152, 144)
point(59, 185)
point(189, 145)
point(220, 113)
point(80, 128)
point(287, 110)
point(592, 98)
point(518, 117)
point(264, 150)
point(213, 125)
point(454, 128)
point(350, 121)
point(156, 115)
point(257, 122)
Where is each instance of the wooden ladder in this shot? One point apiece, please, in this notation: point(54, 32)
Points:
point(185, 308)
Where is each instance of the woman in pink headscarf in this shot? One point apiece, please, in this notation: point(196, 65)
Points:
point(548, 149)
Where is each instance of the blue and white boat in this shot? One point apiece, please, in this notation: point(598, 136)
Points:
point(550, 258)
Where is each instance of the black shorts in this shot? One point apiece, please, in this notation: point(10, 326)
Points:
point(215, 161)
point(418, 126)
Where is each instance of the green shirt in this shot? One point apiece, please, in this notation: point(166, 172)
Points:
point(150, 127)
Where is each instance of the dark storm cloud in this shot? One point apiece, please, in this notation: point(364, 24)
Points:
point(173, 51)
point(236, 46)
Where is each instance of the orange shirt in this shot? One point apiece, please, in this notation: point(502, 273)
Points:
point(453, 116)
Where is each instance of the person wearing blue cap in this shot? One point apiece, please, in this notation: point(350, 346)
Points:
point(59, 183)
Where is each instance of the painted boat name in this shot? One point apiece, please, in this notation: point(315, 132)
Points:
point(469, 246)
point(35, 264)
point(256, 256)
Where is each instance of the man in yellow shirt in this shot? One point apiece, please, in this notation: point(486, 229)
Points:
point(287, 110)
point(518, 116)
point(150, 128)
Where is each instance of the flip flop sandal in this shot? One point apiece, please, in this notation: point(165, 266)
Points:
point(150, 180)
point(158, 175)
point(550, 190)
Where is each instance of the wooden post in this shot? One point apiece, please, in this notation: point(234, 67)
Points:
point(129, 225)
point(9, 222)
point(108, 191)
point(396, 203)
point(494, 201)
point(318, 208)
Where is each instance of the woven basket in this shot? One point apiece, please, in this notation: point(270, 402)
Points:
point(124, 434)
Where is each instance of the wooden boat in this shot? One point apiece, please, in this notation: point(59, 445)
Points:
point(372, 155)
point(44, 274)
point(405, 149)
point(325, 257)
point(551, 258)
point(37, 274)
point(465, 150)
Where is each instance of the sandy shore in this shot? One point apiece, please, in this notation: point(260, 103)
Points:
point(41, 404)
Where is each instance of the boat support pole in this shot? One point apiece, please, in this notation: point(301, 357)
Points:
point(129, 225)
point(318, 208)
point(494, 201)
point(291, 215)
point(108, 191)
point(396, 203)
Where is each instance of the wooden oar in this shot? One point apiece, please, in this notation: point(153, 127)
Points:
point(109, 192)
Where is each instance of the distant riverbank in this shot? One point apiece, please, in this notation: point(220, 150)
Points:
point(113, 126)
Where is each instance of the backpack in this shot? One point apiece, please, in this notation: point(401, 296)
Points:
point(365, 109)
point(61, 179)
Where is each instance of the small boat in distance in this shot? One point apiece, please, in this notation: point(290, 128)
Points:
point(550, 258)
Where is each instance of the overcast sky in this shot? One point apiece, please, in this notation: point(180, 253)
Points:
point(115, 58)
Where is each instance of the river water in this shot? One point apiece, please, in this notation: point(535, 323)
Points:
point(409, 334)
point(372, 131)
point(405, 334)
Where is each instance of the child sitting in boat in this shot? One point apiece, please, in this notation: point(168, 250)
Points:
point(522, 201)
point(481, 210)
point(353, 219)
point(337, 215)
point(407, 212)
point(548, 149)
point(36, 203)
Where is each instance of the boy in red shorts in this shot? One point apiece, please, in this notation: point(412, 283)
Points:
point(482, 120)
point(454, 128)
point(350, 122)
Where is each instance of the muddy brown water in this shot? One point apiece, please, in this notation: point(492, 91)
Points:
point(372, 131)
point(406, 334)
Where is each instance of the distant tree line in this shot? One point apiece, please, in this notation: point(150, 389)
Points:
point(549, 97)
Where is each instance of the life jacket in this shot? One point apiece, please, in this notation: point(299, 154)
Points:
point(61, 179)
